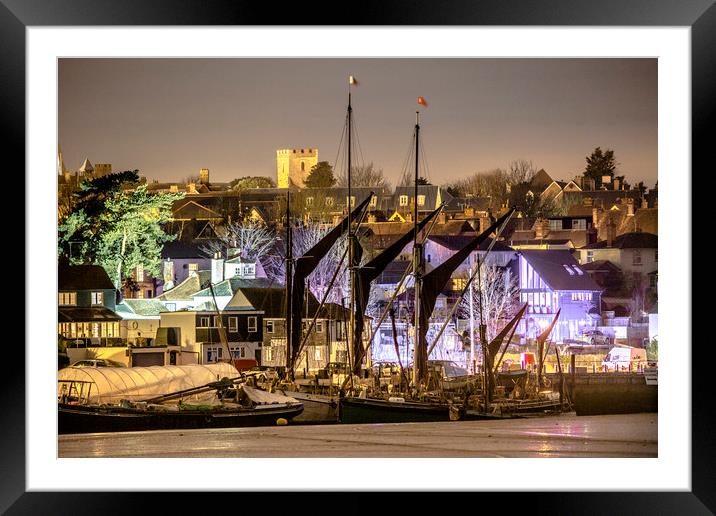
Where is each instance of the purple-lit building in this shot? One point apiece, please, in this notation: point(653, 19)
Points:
point(550, 280)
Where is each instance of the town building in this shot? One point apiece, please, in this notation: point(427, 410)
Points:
point(294, 165)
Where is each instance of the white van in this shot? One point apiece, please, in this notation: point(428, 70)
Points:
point(619, 358)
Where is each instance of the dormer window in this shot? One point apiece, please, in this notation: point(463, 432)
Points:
point(97, 298)
point(421, 200)
point(374, 200)
point(568, 269)
point(403, 200)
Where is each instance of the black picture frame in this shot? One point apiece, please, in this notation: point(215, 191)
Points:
point(700, 15)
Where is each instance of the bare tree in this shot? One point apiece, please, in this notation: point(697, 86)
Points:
point(490, 183)
point(499, 295)
point(367, 176)
point(520, 171)
point(305, 237)
point(252, 239)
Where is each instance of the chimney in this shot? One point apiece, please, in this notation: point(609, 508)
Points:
point(595, 217)
point(371, 218)
point(168, 275)
point(409, 217)
point(217, 268)
point(442, 217)
point(630, 207)
point(617, 184)
point(541, 228)
point(469, 211)
point(191, 188)
point(611, 233)
point(644, 203)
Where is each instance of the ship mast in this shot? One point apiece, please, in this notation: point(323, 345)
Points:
point(351, 234)
point(420, 360)
point(289, 277)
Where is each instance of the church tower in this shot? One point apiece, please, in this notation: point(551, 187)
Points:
point(294, 165)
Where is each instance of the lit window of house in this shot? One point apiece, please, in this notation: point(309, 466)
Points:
point(579, 224)
point(252, 324)
point(353, 200)
point(590, 256)
point(269, 353)
point(68, 298)
point(97, 298)
point(233, 324)
point(193, 266)
point(269, 326)
point(309, 201)
point(329, 201)
point(317, 353)
point(636, 257)
point(421, 200)
point(555, 225)
point(374, 200)
point(403, 200)
point(458, 283)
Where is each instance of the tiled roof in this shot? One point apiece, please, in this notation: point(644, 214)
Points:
point(82, 277)
point(629, 241)
point(559, 270)
point(185, 290)
point(76, 314)
point(457, 242)
point(142, 306)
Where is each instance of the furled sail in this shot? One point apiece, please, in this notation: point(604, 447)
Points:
point(435, 280)
point(366, 274)
point(305, 265)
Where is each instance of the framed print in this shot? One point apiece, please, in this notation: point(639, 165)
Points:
point(50, 49)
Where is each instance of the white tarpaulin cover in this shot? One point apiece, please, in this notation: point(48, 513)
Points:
point(111, 384)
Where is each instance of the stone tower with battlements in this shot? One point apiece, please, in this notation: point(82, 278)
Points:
point(294, 165)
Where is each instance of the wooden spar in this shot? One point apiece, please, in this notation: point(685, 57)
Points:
point(420, 356)
point(403, 376)
point(541, 351)
point(475, 273)
point(351, 236)
point(222, 330)
point(406, 273)
point(514, 323)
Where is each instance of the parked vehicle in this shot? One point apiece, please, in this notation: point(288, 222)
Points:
point(97, 362)
point(261, 373)
point(595, 337)
point(622, 358)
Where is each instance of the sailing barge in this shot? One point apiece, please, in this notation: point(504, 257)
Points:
point(165, 397)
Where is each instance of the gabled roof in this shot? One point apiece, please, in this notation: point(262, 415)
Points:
point(554, 267)
point(192, 210)
point(601, 266)
point(86, 167)
point(141, 306)
point(229, 287)
point(628, 241)
point(82, 277)
point(185, 290)
point(541, 180)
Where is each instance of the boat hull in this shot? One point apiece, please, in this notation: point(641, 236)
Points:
point(317, 408)
point(612, 395)
point(89, 419)
point(364, 410)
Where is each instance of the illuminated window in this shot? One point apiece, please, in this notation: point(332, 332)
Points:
point(193, 266)
point(252, 324)
point(97, 298)
point(309, 201)
point(233, 324)
point(373, 200)
point(579, 224)
point(590, 256)
point(421, 200)
point(329, 201)
point(403, 200)
point(555, 225)
point(458, 283)
point(269, 326)
point(68, 298)
point(317, 353)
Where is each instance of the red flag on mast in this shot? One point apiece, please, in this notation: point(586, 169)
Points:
point(422, 101)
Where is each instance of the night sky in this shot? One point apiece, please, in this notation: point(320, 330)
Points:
point(170, 117)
